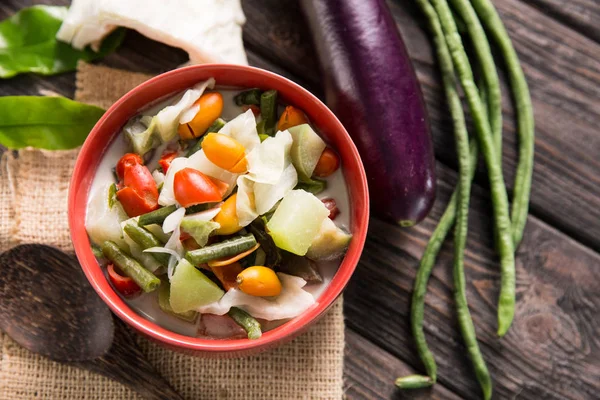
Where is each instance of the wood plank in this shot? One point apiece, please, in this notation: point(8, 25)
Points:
point(369, 373)
point(582, 15)
point(551, 351)
point(562, 69)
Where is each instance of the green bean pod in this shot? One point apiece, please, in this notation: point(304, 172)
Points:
point(226, 248)
point(156, 216)
point(145, 279)
point(268, 111)
point(145, 239)
point(246, 321)
point(504, 239)
point(248, 97)
point(414, 382)
point(525, 121)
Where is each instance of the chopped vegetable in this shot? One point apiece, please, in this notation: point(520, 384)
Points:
point(328, 163)
point(219, 262)
point(146, 240)
point(44, 122)
point(103, 222)
point(198, 229)
point(192, 187)
point(164, 302)
point(227, 218)
point(330, 242)
point(266, 195)
point(191, 289)
point(296, 221)
point(314, 186)
point(259, 281)
point(268, 110)
point(209, 107)
point(246, 321)
point(127, 161)
point(227, 274)
point(215, 127)
point(307, 148)
point(291, 117)
point(225, 152)
point(301, 267)
point(226, 248)
point(145, 279)
point(291, 302)
point(26, 49)
point(156, 216)
point(165, 160)
point(123, 284)
point(139, 194)
point(268, 160)
point(248, 97)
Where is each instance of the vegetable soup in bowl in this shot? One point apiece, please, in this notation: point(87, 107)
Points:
point(219, 209)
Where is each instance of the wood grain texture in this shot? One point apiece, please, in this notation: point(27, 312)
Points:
point(562, 68)
point(552, 350)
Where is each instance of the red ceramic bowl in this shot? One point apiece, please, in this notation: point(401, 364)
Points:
point(107, 129)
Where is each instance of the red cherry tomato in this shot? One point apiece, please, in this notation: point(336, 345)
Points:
point(124, 284)
point(126, 161)
point(139, 194)
point(165, 160)
point(134, 204)
point(192, 187)
point(222, 186)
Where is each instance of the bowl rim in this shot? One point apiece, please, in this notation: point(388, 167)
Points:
point(96, 277)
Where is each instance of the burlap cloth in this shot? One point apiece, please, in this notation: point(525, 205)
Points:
point(33, 208)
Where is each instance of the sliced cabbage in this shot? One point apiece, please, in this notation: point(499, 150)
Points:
point(266, 196)
point(159, 177)
point(200, 230)
point(167, 197)
point(292, 301)
point(209, 30)
point(245, 205)
point(268, 160)
point(142, 137)
point(173, 220)
point(102, 221)
point(296, 221)
point(243, 129)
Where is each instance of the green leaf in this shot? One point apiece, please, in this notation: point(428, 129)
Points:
point(53, 123)
point(28, 43)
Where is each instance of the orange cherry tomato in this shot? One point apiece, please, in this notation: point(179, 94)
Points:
point(124, 284)
point(192, 187)
point(224, 151)
point(211, 107)
point(227, 274)
point(227, 217)
point(165, 160)
point(128, 160)
point(291, 117)
point(259, 281)
point(328, 163)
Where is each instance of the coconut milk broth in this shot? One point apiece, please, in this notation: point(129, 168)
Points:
point(146, 305)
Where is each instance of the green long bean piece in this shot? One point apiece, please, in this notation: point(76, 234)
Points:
point(156, 216)
point(493, 100)
point(504, 239)
point(226, 248)
point(414, 382)
point(246, 321)
point(525, 121)
point(145, 279)
point(268, 111)
point(146, 239)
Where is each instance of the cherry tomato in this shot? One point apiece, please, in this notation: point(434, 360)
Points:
point(165, 160)
point(133, 203)
point(331, 205)
point(259, 281)
point(291, 117)
point(227, 217)
point(224, 151)
point(124, 284)
point(211, 107)
point(128, 160)
point(222, 186)
point(192, 187)
point(328, 163)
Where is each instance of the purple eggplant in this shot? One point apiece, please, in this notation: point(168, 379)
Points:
point(372, 87)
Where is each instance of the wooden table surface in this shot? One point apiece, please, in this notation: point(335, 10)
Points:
point(553, 349)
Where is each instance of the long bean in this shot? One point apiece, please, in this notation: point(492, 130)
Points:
point(156, 216)
point(146, 239)
point(522, 186)
point(504, 239)
point(268, 111)
point(226, 248)
point(489, 73)
point(246, 321)
point(145, 279)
